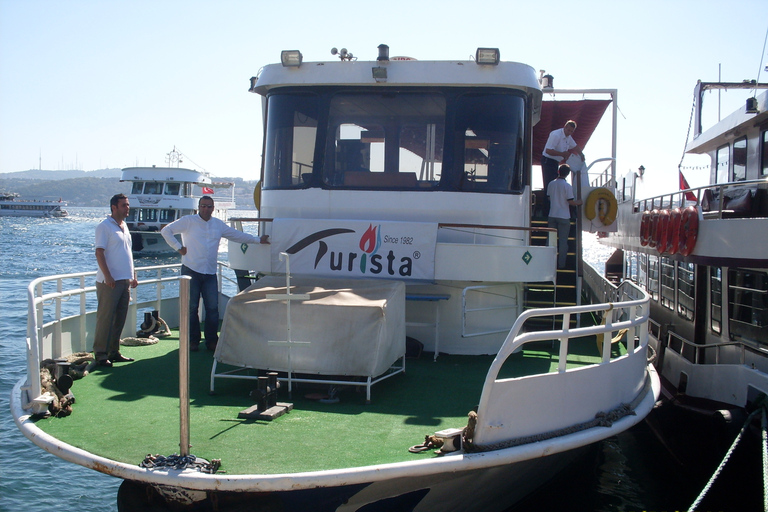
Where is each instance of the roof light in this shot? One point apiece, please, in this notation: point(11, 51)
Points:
point(487, 56)
point(752, 106)
point(291, 58)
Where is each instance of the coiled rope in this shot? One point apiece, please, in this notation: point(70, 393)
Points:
point(764, 445)
point(180, 462)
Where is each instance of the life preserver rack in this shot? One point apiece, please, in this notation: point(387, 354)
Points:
point(670, 232)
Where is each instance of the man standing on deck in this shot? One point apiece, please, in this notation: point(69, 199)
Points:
point(199, 249)
point(560, 195)
point(560, 145)
point(113, 279)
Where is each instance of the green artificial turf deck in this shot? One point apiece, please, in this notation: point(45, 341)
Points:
point(131, 410)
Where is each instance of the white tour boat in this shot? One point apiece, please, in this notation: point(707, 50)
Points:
point(404, 341)
point(702, 255)
point(160, 195)
point(12, 206)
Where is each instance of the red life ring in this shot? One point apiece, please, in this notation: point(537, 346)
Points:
point(645, 228)
point(673, 233)
point(662, 226)
point(689, 230)
point(654, 227)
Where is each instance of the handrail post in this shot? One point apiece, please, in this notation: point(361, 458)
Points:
point(184, 365)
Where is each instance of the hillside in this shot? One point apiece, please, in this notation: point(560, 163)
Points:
point(94, 191)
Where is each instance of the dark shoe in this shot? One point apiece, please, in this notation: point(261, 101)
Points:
point(211, 345)
point(120, 358)
point(194, 347)
point(104, 362)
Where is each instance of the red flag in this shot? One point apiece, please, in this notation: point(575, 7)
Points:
point(209, 191)
point(685, 186)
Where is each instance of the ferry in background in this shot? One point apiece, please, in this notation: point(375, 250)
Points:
point(160, 195)
point(12, 206)
point(398, 206)
point(702, 255)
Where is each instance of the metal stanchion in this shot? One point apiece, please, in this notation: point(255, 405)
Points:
point(184, 365)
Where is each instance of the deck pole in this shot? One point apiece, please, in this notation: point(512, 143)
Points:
point(184, 365)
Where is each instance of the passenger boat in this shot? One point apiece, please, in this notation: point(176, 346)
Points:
point(160, 195)
point(403, 342)
point(12, 206)
point(702, 255)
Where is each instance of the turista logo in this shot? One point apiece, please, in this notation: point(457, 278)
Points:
point(369, 261)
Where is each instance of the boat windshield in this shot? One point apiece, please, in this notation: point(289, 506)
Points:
point(457, 140)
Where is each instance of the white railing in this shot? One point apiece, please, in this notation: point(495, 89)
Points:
point(599, 387)
point(62, 310)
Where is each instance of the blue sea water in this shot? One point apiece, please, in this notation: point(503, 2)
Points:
point(625, 473)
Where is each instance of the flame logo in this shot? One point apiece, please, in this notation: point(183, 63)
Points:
point(370, 240)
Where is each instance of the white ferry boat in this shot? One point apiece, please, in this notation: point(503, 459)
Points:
point(160, 195)
point(397, 200)
point(702, 255)
point(12, 206)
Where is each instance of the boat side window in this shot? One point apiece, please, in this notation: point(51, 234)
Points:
point(138, 187)
point(167, 215)
point(632, 267)
point(748, 305)
point(716, 299)
point(289, 147)
point(722, 164)
point(740, 159)
point(489, 130)
point(172, 189)
point(685, 290)
point(653, 276)
point(147, 215)
point(667, 283)
point(642, 270)
point(764, 153)
point(385, 140)
point(153, 187)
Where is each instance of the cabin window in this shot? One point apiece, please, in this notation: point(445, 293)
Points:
point(748, 305)
point(716, 299)
point(723, 164)
point(668, 283)
point(172, 189)
point(385, 140)
point(653, 277)
point(685, 290)
point(289, 151)
point(167, 216)
point(764, 153)
point(491, 127)
point(642, 270)
point(138, 187)
point(740, 159)
point(153, 187)
point(147, 215)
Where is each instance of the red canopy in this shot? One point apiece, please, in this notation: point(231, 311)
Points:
point(554, 115)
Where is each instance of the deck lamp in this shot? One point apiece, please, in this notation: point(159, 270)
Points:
point(291, 58)
point(752, 106)
point(487, 56)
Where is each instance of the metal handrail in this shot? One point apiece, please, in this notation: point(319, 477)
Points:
point(677, 198)
point(674, 340)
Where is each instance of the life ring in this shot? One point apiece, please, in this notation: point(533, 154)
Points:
point(662, 227)
point(601, 203)
point(673, 233)
point(645, 228)
point(689, 230)
point(654, 228)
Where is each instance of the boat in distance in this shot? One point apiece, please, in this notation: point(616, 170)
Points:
point(398, 344)
point(12, 206)
point(701, 254)
point(160, 195)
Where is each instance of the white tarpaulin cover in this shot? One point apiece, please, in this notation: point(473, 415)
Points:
point(354, 327)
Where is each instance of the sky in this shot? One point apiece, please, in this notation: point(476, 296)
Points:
point(93, 84)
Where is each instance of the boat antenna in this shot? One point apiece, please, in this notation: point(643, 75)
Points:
point(761, 61)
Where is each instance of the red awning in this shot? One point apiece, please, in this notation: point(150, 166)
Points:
point(554, 115)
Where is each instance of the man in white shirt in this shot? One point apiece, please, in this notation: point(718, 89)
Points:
point(115, 276)
point(560, 145)
point(199, 249)
point(560, 195)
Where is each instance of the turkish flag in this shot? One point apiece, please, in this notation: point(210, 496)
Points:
point(685, 186)
point(209, 191)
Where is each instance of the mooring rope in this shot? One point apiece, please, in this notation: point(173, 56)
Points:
point(180, 462)
point(761, 409)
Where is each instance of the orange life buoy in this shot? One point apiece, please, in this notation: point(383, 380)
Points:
point(673, 232)
point(689, 230)
point(654, 227)
point(660, 236)
point(645, 228)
